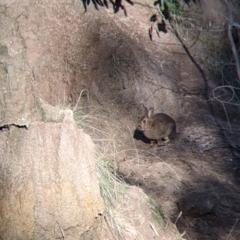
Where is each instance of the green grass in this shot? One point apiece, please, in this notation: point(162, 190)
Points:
point(111, 186)
point(157, 212)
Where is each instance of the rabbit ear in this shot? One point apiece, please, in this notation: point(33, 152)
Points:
point(150, 112)
point(145, 109)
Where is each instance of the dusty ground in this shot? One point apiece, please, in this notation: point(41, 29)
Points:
point(196, 174)
point(111, 59)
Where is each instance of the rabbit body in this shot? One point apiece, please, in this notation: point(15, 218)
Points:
point(159, 127)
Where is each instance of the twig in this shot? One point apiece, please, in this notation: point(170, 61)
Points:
point(228, 130)
point(226, 101)
point(179, 215)
point(232, 228)
point(222, 87)
point(80, 95)
point(231, 23)
point(236, 24)
point(153, 228)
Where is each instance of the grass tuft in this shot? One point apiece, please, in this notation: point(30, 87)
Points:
point(112, 187)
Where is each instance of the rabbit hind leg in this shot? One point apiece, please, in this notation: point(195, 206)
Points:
point(162, 141)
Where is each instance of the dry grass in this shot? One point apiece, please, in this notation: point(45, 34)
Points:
point(113, 189)
point(126, 215)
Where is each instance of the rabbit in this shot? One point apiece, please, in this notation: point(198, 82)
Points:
point(159, 127)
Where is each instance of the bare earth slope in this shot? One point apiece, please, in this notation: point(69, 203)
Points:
point(53, 52)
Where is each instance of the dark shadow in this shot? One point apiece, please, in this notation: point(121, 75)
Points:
point(188, 1)
point(96, 3)
point(227, 198)
point(206, 211)
point(117, 4)
point(138, 135)
point(164, 9)
point(219, 217)
point(213, 111)
point(162, 27)
point(206, 208)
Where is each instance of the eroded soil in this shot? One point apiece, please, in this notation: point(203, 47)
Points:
point(195, 177)
point(108, 60)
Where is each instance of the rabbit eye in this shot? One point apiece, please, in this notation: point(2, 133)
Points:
point(144, 121)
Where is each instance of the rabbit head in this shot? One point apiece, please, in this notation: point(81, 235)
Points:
point(146, 121)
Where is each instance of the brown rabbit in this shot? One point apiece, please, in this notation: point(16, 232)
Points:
point(159, 127)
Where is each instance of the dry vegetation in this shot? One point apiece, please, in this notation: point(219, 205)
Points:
point(200, 41)
point(121, 200)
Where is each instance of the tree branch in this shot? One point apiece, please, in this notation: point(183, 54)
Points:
point(235, 24)
point(231, 23)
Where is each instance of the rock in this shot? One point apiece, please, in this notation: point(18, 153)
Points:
point(49, 187)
